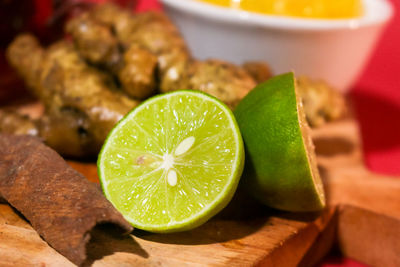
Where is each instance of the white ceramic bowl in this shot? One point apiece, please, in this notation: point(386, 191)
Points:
point(334, 50)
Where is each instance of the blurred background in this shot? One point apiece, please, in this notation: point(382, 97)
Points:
point(375, 96)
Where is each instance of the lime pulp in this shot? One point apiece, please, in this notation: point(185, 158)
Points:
point(173, 162)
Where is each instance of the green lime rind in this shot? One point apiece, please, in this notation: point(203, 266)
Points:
point(278, 170)
point(214, 206)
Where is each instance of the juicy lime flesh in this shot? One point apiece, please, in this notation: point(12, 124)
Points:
point(281, 169)
point(173, 162)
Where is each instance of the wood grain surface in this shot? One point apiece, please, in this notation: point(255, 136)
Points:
point(368, 223)
point(363, 218)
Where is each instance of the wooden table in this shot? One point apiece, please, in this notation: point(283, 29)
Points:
point(362, 218)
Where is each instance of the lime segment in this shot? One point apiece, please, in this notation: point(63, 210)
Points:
point(173, 162)
point(281, 168)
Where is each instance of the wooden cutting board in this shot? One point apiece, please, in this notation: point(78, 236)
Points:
point(363, 218)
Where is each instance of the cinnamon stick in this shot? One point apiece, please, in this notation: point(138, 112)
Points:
point(60, 203)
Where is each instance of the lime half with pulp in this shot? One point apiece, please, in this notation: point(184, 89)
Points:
point(281, 167)
point(173, 162)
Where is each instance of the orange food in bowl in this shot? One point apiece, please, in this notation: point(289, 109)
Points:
point(321, 9)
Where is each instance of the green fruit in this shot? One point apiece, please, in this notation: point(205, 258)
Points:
point(281, 168)
point(173, 162)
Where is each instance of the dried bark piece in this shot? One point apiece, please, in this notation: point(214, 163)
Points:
point(62, 206)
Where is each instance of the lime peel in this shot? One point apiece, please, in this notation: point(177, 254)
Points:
point(281, 168)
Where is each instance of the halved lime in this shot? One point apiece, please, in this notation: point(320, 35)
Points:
point(281, 168)
point(173, 162)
